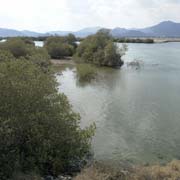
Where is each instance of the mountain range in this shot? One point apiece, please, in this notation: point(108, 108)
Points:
point(163, 29)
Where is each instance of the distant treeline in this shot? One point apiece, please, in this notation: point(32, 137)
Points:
point(133, 40)
point(40, 38)
point(120, 40)
point(128, 40)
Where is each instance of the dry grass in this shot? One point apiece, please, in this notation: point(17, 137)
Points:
point(171, 171)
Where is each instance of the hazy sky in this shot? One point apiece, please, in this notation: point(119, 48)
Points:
point(47, 15)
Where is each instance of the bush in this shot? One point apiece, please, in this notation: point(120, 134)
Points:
point(28, 40)
point(5, 56)
point(60, 47)
point(39, 132)
point(99, 49)
point(59, 50)
point(22, 48)
point(40, 57)
point(85, 72)
point(17, 47)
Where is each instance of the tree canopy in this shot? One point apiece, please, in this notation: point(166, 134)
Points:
point(60, 47)
point(23, 48)
point(17, 46)
point(100, 49)
point(39, 131)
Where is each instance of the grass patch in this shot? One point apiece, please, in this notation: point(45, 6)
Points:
point(170, 171)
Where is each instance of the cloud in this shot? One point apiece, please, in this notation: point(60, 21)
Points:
point(45, 15)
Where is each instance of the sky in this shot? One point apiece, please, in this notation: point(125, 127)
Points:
point(72, 15)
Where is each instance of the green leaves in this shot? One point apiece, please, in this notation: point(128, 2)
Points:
point(16, 46)
point(38, 130)
point(60, 47)
point(24, 49)
point(86, 72)
point(99, 49)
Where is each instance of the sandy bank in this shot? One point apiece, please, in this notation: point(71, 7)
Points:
point(58, 62)
point(164, 40)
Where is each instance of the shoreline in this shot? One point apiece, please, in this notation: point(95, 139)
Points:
point(170, 170)
point(144, 40)
point(166, 40)
point(64, 61)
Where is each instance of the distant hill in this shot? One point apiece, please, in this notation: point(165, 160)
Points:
point(87, 31)
point(9, 32)
point(31, 33)
point(121, 32)
point(163, 29)
point(166, 29)
point(81, 33)
point(13, 33)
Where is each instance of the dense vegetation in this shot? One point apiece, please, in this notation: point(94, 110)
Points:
point(17, 47)
point(39, 132)
point(85, 72)
point(133, 40)
point(100, 49)
point(6, 55)
point(60, 47)
point(24, 48)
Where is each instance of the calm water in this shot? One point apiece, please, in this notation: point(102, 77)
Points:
point(39, 43)
point(3, 40)
point(137, 111)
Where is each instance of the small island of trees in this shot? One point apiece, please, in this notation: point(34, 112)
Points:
point(99, 49)
point(61, 47)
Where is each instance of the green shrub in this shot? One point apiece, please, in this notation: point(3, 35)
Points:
point(5, 56)
point(85, 72)
point(99, 49)
point(28, 40)
point(22, 48)
point(39, 132)
point(59, 50)
point(40, 57)
point(60, 47)
point(17, 47)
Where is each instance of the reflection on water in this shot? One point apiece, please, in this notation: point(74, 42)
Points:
point(39, 43)
point(3, 40)
point(136, 111)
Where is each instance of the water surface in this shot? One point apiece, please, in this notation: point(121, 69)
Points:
point(136, 110)
point(3, 40)
point(39, 43)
